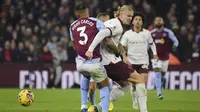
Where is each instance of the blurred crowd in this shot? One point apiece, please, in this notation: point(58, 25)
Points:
point(30, 30)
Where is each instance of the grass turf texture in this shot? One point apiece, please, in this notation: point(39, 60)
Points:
point(69, 101)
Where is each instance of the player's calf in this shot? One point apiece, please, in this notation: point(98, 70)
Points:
point(104, 94)
point(92, 93)
point(158, 82)
point(84, 91)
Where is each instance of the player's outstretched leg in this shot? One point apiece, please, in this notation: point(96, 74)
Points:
point(84, 91)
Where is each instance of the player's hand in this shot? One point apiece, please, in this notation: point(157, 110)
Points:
point(155, 57)
point(89, 54)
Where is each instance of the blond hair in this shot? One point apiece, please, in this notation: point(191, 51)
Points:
point(122, 8)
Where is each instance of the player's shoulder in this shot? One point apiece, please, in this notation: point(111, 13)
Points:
point(146, 31)
point(93, 19)
point(128, 32)
point(115, 25)
point(153, 31)
point(167, 30)
point(113, 22)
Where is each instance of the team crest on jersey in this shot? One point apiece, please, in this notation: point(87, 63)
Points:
point(162, 41)
point(154, 35)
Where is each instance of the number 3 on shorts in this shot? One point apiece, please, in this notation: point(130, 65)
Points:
point(82, 34)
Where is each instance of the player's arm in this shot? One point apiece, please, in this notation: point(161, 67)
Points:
point(173, 38)
point(122, 50)
point(102, 34)
point(110, 30)
point(106, 32)
point(122, 45)
point(152, 46)
point(110, 46)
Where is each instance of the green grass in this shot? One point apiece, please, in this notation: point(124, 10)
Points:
point(69, 101)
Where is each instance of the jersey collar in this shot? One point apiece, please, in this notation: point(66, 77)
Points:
point(137, 32)
point(120, 21)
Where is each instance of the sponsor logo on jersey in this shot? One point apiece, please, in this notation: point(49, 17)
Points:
point(160, 41)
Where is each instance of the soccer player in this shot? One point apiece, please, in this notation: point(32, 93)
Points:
point(137, 40)
point(116, 69)
point(162, 38)
point(82, 32)
point(92, 87)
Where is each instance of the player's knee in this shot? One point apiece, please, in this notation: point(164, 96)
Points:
point(103, 83)
point(138, 78)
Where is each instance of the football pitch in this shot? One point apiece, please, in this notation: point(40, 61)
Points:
point(68, 100)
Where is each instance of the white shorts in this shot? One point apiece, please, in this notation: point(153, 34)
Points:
point(92, 68)
point(162, 64)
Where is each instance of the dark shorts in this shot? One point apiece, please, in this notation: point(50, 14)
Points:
point(141, 68)
point(118, 71)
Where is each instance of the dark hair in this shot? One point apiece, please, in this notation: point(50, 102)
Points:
point(81, 6)
point(138, 14)
point(102, 14)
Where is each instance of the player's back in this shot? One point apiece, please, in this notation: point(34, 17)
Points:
point(82, 32)
point(163, 42)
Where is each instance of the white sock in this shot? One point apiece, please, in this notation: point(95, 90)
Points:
point(116, 93)
point(141, 93)
point(134, 98)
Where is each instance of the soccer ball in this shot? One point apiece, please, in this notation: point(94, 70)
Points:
point(26, 97)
